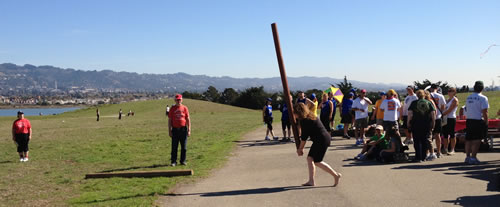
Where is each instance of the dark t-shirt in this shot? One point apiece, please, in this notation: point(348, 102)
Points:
point(421, 110)
point(284, 112)
point(315, 130)
point(346, 106)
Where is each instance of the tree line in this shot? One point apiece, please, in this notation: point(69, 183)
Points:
point(255, 97)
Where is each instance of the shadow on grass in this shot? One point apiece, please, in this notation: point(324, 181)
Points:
point(6, 161)
point(248, 191)
point(469, 201)
point(487, 171)
point(115, 199)
point(258, 143)
point(134, 168)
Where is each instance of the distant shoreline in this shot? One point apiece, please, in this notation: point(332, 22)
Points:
point(42, 107)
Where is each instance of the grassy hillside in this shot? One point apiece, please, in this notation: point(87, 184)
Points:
point(66, 147)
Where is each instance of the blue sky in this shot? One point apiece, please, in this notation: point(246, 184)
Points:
point(372, 41)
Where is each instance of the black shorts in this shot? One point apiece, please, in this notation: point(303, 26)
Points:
point(317, 151)
point(285, 124)
point(22, 141)
point(449, 128)
point(346, 118)
point(361, 123)
point(437, 127)
point(476, 129)
point(388, 125)
point(405, 125)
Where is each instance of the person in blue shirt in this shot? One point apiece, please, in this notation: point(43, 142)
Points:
point(285, 123)
point(267, 117)
point(346, 114)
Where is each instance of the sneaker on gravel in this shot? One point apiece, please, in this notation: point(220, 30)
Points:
point(474, 161)
point(431, 157)
point(452, 152)
point(438, 155)
point(267, 138)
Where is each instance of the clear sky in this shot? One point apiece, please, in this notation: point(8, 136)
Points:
point(372, 41)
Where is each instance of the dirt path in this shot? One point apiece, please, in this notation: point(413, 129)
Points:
point(269, 173)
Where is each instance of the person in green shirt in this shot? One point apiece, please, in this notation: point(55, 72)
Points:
point(374, 145)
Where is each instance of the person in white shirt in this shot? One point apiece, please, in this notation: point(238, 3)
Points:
point(440, 102)
point(451, 116)
point(408, 100)
point(360, 107)
point(391, 107)
point(477, 122)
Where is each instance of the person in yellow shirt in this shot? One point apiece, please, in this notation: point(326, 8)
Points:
point(379, 114)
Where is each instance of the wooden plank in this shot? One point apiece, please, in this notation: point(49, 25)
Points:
point(143, 174)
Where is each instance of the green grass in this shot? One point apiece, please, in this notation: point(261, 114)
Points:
point(66, 147)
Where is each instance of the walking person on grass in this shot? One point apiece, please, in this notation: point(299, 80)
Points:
point(312, 127)
point(179, 129)
point(21, 135)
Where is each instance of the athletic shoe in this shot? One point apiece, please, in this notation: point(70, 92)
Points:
point(357, 142)
point(474, 161)
point(445, 151)
point(431, 157)
point(438, 155)
point(358, 156)
point(452, 152)
point(347, 137)
point(467, 159)
point(21, 160)
point(183, 163)
point(267, 138)
point(25, 159)
point(173, 164)
point(362, 157)
point(275, 138)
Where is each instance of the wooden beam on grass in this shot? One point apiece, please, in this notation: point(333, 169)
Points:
point(142, 174)
point(284, 81)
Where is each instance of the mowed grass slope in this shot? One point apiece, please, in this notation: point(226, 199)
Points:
point(66, 147)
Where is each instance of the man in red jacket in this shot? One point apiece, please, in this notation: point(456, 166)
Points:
point(179, 128)
point(21, 134)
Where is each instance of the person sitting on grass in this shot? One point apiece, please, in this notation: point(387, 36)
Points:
point(312, 127)
point(373, 146)
point(395, 145)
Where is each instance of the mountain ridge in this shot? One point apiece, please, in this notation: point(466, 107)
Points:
point(45, 77)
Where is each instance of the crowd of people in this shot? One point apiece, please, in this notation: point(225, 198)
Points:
point(425, 116)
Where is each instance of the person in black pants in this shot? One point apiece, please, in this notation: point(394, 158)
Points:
point(313, 128)
point(421, 120)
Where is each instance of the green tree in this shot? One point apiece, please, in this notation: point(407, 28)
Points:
point(212, 94)
point(344, 86)
point(228, 96)
point(424, 84)
point(253, 98)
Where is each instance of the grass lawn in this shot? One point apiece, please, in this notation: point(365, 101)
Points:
point(65, 147)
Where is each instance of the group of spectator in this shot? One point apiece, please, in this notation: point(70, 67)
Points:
point(424, 115)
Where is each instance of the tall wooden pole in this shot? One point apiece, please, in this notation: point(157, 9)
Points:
point(284, 81)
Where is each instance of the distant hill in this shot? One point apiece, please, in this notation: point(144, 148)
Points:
point(43, 78)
